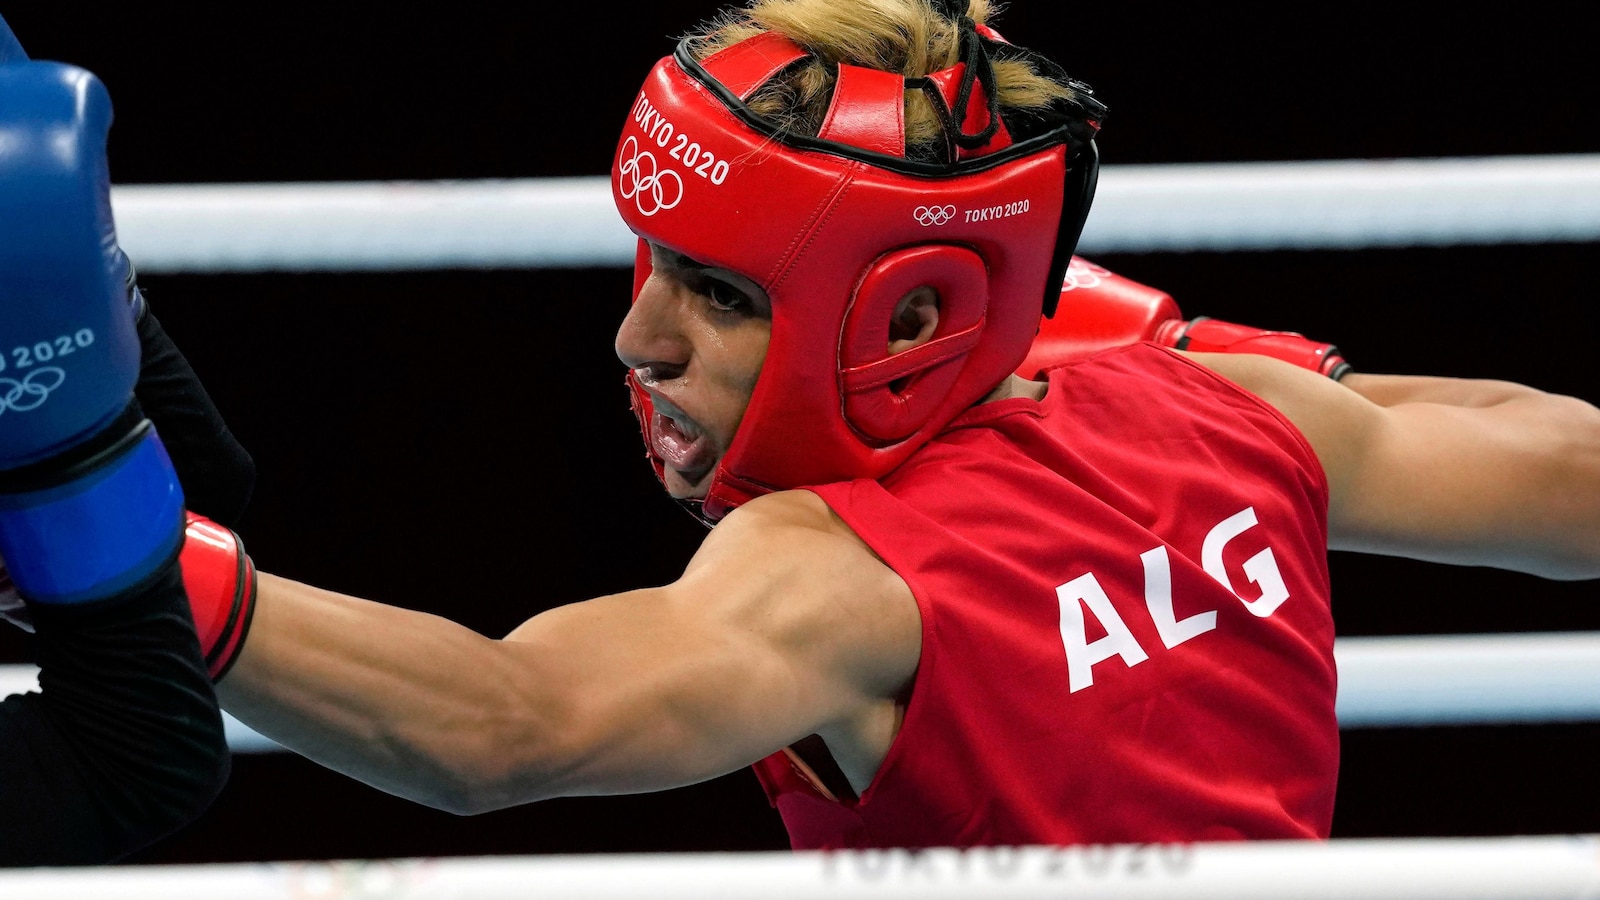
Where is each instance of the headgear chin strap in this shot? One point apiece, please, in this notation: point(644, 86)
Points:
point(838, 228)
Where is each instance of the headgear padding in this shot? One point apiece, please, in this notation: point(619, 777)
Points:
point(837, 229)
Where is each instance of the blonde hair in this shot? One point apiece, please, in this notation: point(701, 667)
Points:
point(908, 37)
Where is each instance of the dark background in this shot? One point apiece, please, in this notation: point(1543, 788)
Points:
point(459, 441)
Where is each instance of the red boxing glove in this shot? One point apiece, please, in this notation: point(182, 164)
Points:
point(1100, 309)
point(221, 582)
point(1207, 335)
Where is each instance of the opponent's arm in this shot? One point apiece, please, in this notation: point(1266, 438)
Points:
point(780, 627)
point(124, 743)
point(1448, 470)
point(217, 473)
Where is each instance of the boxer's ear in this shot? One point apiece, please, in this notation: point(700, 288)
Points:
point(916, 318)
point(892, 375)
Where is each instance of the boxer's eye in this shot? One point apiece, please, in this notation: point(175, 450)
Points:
point(724, 296)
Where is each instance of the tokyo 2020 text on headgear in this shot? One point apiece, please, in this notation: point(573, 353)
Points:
point(837, 228)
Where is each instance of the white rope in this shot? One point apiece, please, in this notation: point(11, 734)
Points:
point(381, 226)
point(1383, 682)
point(17, 679)
point(1347, 204)
point(1468, 679)
point(570, 222)
point(1512, 868)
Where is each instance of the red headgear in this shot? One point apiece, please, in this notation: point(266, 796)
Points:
point(838, 228)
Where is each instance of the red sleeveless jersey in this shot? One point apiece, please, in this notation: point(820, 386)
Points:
point(1126, 634)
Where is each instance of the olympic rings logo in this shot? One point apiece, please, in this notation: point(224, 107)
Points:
point(933, 215)
point(643, 184)
point(1083, 274)
point(31, 391)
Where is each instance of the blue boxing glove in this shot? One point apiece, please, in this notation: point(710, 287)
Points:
point(90, 505)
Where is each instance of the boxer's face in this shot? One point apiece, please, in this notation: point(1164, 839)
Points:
point(694, 338)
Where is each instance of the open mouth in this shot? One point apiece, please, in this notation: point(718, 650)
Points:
point(682, 446)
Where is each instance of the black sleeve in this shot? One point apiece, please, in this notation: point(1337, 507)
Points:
point(123, 742)
point(216, 472)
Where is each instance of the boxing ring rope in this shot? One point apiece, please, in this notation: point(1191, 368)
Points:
point(570, 222)
point(1384, 682)
point(1411, 681)
point(1526, 868)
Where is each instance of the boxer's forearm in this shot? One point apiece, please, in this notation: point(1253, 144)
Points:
point(408, 702)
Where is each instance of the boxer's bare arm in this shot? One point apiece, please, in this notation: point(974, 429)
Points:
point(1470, 473)
point(783, 625)
point(1392, 390)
